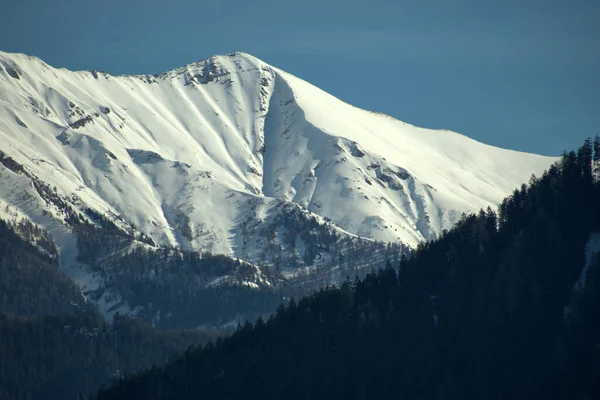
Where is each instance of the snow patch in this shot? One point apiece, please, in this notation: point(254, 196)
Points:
point(592, 248)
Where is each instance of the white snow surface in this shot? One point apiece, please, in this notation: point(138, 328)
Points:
point(187, 155)
point(592, 248)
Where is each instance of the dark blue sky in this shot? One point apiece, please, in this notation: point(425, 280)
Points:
point(517, 74)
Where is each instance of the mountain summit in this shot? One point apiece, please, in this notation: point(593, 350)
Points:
point(225, 155)
point(231, 135)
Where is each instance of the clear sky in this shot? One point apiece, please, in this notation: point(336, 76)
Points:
point(518, 74)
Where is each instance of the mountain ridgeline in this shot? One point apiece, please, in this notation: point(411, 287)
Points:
point(504, 305)
point(142, 180)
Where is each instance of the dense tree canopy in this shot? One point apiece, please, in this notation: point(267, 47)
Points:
point(505, 305)
point(53, 344)
point(60, 357)
point(30, 282)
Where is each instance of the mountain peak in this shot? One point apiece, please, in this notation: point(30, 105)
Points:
point(237, 60)
point(229, 139)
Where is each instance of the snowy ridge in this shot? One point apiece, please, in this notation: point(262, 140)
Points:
point(187, 155)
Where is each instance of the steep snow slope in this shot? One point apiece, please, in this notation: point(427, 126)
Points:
point(188, 155)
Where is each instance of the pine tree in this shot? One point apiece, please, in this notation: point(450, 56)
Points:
point(596, 158)
point(584, 160)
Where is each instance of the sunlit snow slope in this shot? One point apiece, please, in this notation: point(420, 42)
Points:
point(187, 155)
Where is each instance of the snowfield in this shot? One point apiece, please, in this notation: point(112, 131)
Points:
point(188, 155)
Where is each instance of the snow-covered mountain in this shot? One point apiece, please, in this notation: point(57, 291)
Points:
point(213, 156)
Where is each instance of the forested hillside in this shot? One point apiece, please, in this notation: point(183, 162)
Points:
point(60, 357)
point(53, 344)
point(503, 306)
point(31, 283)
